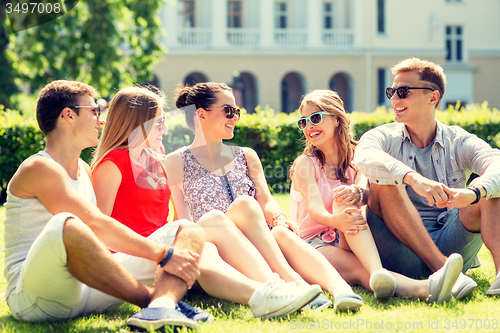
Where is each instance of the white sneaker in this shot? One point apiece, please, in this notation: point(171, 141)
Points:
point(463, 287)
point(442, 281)
point(494, 289)
point(276, 299)
point(382, 283)
point(476, 263)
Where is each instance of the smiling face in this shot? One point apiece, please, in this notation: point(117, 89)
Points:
point(319, 134)
point(214, 122)
point(418, 108)
point(155, 135)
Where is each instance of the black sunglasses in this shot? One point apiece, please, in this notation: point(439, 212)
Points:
point(229, 110)
point(97, 112)
point(402, 91)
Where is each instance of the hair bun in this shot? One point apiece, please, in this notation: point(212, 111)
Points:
point(182, 97)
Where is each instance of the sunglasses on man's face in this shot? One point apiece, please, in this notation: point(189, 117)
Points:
point(96, 109)
point(229, 110)
point(402, 91)
point(316, 118)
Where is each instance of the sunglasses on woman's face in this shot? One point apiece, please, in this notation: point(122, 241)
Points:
point(316, 118)
point(402, 91)
point(229, 110)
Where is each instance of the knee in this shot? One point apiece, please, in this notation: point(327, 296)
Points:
point(281, 234)
point(246, 204)
point(75, 229)
point(384, 189)
point(213, 216)
point(192, 232)
point(216, 218)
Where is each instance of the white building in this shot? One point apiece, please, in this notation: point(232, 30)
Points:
point(273, 51)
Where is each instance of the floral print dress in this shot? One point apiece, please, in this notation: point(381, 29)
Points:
point(205, 191)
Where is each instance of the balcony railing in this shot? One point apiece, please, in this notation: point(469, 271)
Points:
point(291, 37)
point(243, 37)
point(250, 38)
point(338, 38)
point(197, 37)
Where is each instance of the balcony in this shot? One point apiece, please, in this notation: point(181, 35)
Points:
point(250, 38)
point(194, 37)
point(243, 37)
point(338, 38)
point(295, 38)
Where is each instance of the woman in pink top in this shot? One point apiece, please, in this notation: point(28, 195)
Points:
point(325, 196)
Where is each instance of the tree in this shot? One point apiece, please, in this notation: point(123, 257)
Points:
point(7, 84)
point(108, 44)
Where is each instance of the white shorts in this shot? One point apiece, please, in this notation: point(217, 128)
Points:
point(46, 290)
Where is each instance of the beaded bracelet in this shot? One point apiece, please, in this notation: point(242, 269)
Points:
point(164, 261)
point(360, 190)
point(278, 217)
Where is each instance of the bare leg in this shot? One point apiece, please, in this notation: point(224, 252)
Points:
point(347, 264)
point(309, 263)
point(221, 280)
point(192, 238)
point(361, 244)
point(91, 263)
point(246, 213)
point(483, 217)
point(233, 245)
point(410, 287)
point(392, 204)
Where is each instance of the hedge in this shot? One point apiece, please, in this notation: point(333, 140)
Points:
point(275, 137)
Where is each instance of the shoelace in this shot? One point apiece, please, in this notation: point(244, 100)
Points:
point(187, 310)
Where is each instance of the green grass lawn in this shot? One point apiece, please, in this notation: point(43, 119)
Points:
point(477, 313)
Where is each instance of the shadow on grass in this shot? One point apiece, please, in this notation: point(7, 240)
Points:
point(112, 321)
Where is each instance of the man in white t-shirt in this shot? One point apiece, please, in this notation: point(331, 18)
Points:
point(57, 259)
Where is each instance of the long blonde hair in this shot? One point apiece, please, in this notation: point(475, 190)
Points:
point(130, 108)
point(329, 101)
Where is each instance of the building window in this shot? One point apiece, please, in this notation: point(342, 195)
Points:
point(454, 43)
point(328, 15)
point(188, 14)
point(281, 15)
point(341, 84)
point(234, 14)
point(292, 90)
point(381, 74)
point(381, 16)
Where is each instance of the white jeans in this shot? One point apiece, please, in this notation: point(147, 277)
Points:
point(46, 290)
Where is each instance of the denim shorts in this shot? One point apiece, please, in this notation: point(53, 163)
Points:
point(317, 242)
point(448, 234)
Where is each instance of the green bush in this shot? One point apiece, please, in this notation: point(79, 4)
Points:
point(20, 137)
point(274, 136)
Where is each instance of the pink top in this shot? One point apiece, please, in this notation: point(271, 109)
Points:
point(309, 228)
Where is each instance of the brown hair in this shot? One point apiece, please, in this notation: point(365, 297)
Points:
point(201, 95)
point(129, 109)
point(54, 97)
point(329, 101)
point(431, 73)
